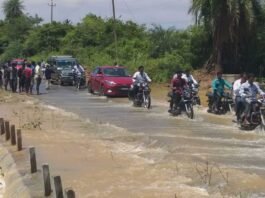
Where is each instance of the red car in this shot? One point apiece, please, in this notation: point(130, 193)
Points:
point(18, 62)
point(110, 81)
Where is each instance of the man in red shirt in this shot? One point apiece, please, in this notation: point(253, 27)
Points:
point(177, 86)
point(27, 73)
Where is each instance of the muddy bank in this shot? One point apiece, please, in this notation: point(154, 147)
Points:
point(12, 184)
point(101, 160)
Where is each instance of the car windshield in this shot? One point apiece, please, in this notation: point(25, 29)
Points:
point(19, 62)
point(65, 64)
point(117, 72)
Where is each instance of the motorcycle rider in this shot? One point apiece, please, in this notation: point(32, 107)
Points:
point(218, 86)
point(248, 91)
point(139, 77)
point(78, 70)
point(237, 98)
point(189, 78)
point(177, 87)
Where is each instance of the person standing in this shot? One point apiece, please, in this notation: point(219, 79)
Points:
point(13, 78)
point(28, 74)
point(21, 77)
point(7, 72)
point(1, 78)
point(32, 67)
point(48, 76)
point(38, 77)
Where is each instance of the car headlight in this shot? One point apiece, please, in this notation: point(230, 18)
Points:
point(110, 83)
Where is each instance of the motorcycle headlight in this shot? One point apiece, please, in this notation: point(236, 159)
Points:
point(64, 73)
point(110, 83)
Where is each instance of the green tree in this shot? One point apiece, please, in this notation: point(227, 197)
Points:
point(13, 9)
point(230, 23)
point(46, 38)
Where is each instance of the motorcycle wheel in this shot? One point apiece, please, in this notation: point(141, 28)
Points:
point(147, 102)
point(189, 111)
point(250, 127)
point(101, 91)
point(198, 101)
point(89, 88)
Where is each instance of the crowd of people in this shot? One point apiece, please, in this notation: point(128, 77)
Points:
point(25, 78)
point(28, 78)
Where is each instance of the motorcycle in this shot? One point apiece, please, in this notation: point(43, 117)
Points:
point(257, 115)
point(226, 104)
point(185, 104)
point(142, 97)
point(195, 95)
point(79, 81)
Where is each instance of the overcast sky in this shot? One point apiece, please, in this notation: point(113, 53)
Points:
point(164, 12)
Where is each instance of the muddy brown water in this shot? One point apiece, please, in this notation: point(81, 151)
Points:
point(207, 138)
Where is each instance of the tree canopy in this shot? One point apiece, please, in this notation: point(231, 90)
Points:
point(228, 35)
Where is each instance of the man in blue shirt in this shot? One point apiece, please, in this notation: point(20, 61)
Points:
point(218, 86)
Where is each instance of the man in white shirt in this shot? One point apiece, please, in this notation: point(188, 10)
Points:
point(189, 78)
point(239, 103)
point(38, 77)
point(139, 77)
point(248, 91)
point(78, 70)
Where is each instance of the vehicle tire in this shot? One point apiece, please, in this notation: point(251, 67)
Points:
point(89, 88)
point(198, 101)
point(147, 102)
point(248, 127)
point(189, 111)
point(60, 82)
point(231, 107)
point(101, 91)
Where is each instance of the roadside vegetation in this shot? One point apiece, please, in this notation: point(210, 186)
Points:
point(227, 34)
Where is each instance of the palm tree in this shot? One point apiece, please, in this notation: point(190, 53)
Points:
point(229, 21)
point(162, 40)
point(13, 9)
point(67, 22)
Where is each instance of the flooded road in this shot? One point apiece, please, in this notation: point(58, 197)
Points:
point(207, 138)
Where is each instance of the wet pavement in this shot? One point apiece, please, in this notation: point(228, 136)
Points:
point(206, 138)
